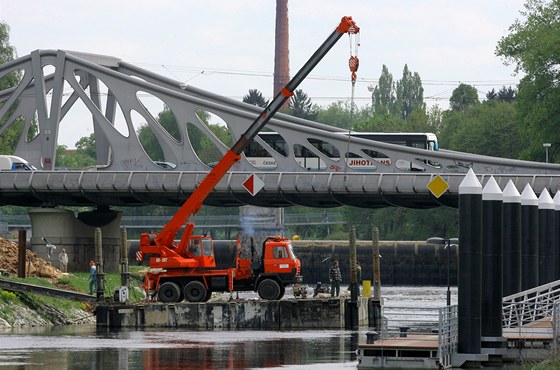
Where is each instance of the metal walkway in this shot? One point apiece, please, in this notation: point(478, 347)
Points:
point(427, 338)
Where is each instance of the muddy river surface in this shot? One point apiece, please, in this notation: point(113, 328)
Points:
point(86, 347)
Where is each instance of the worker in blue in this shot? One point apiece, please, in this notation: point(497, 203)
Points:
point(92, 277)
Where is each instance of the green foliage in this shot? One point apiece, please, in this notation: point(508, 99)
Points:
point(399, 98)
point(11, 135)
point(7, 297)
point(398, 223)
point(335, 114)
point(148, 139)
point(532, 45)
point(488, 129)
point(301, 106)
point(383, 94)
point(463, 97)
point(410, 93)
point(255, 97)
point(202, 145)
point(73, 159)
point(86, 146)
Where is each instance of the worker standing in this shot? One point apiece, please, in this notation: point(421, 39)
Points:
point(335, 278)
point(63, 259)
point(359, 277)
point(92, 277)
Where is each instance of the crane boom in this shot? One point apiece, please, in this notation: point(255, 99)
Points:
point(195, 200)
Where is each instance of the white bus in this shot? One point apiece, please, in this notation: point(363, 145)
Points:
point(261, 159)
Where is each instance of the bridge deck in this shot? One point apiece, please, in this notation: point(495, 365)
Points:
point(366, 190)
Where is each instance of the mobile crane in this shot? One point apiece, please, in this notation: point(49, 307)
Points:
point(187, 269)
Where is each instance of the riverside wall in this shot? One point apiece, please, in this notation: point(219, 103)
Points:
point(402, 262)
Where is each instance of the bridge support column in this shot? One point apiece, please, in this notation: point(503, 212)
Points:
point(62, 228)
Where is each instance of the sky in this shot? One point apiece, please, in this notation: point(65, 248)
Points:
point(227, 47)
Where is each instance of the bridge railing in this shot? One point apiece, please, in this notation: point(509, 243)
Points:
point(530, 305)
point(423, 324)
point(12, 222)
point(448, 335)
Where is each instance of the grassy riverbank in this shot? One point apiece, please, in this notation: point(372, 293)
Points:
point(553, 363)
point(27, 309)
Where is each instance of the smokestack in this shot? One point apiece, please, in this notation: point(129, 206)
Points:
point(281, 49)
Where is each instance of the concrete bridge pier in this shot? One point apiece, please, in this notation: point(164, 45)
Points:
point(64, 229)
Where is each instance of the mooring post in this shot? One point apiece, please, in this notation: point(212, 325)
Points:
point(98, 240)
point(376, 263)
point(353, 265)
point(374, 305)
point(556, 200)
point(492, 218)
point(513, 252)
point(22, 241)
point(470, 275)
point(546, 239)
point(529, 240)
point(124, 257)
point(351, 314)
point(492, 341)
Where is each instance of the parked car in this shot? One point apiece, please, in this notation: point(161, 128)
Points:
point(14, 163)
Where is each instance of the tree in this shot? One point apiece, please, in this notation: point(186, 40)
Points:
point(410, 93)
point(463, 97)
point(532, 45)
point(73, 159)
point(507, 94)
point(11, 135)
point(491, 95)
point(383, 94)
point(488, 129)
point(255, 97)
point(301, 106)
point(86, 146)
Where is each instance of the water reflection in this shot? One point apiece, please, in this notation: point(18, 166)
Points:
point(83, 348)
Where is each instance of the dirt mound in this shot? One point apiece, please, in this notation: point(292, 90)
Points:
point(35, 266)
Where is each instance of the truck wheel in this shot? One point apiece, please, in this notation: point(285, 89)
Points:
point(169, 292)
point(282, 291)
point(208, 296)
point(195, 291)
point(269, 289)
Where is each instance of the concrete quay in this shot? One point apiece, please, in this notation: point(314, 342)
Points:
point(238, 314)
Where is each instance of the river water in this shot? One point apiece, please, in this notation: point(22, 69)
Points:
point(86, 347)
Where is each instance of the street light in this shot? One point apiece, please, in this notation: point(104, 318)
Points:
point(371, 89)
point(546, 146)
point(448, 243)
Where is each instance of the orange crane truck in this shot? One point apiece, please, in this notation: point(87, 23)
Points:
point(187, 269)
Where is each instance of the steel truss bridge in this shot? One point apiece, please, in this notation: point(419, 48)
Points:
point(55, 83)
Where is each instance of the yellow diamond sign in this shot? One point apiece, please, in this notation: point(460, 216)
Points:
point(438, 186)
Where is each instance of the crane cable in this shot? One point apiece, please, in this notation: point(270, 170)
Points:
point(353, 63)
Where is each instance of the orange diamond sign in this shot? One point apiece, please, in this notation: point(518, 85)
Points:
point(438, 186)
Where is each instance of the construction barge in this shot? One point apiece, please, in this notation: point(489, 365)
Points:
point(287, 313)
